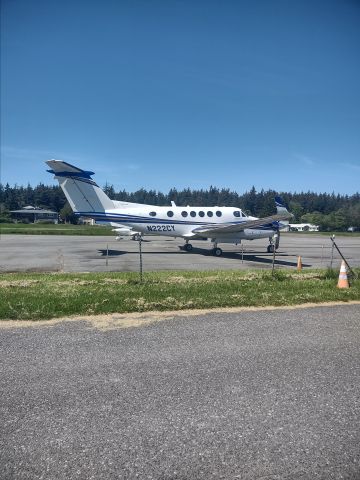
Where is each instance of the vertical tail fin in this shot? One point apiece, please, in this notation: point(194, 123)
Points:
point(83, 194)
point(280, 206)
point(282, 210)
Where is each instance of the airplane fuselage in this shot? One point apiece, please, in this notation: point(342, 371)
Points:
point(178, 221)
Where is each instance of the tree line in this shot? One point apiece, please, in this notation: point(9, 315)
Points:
point(329, 211)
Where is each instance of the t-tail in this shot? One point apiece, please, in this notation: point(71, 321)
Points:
point(83, 194)
point(283, 211)
point(280, 206)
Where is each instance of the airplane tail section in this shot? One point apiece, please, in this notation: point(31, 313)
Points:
point(282, 210)
point(83, 194)
point(280, 206)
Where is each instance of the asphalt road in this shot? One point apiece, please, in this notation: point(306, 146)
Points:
point(251, 395)
point(89, 254)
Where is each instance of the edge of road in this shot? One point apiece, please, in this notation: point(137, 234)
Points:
point(137, 319)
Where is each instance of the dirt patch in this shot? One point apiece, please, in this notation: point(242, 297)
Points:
point(131, 320)
point(116, 281)
point(18, 283)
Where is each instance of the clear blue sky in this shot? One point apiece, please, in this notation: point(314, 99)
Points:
point(191, 93)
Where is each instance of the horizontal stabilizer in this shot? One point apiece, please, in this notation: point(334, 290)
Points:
point(83, 194)
point(63, 169)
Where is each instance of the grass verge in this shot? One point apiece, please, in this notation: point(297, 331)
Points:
point(46, 296)
point(49, 229)
point(327, 234)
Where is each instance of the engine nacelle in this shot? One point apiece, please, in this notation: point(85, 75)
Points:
point(126, 232)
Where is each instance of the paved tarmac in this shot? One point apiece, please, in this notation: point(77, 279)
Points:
point(89, 254)
point(253, 395)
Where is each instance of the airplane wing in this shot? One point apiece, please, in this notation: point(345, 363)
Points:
point(215, 229)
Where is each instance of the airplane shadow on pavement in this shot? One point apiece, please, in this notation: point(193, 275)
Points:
point(265, 259)
point(112, 253)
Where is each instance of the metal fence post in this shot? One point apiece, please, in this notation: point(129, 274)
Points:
point(274, 253)
point(140, 258)
point(332, 251)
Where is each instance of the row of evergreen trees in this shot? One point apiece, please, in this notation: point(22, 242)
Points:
point(330, 211)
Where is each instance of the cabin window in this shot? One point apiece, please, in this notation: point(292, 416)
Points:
point(193, 214)
point(209, 213)
point(170, 213)
point(184, 214)
point(236, 213)
point(152, 214)
point(218, 213)
point(201, 214)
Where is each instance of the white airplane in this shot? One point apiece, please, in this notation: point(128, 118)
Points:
point(217, 224)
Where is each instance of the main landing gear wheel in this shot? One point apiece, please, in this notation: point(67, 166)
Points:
point(217, 252)
point(274, 242)
point(188, 247)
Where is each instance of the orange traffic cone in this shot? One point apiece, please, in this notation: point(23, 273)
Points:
point(299, 264)
point(343, 280)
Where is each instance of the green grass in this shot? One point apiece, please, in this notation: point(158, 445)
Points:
point(327, 234)
point(45, 296)
point(52, 229)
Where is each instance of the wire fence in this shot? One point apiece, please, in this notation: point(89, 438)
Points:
point(75, 254)
point(153, 255)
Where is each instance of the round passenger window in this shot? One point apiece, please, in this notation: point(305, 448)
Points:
point(170, 213)
point(152, 214)
point(236, 213)
point(193, 214)
point(218, 213)
point(209, 213)
point(201, 214)
point(184, 214)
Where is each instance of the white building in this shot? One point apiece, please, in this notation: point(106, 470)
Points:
point(303, 227)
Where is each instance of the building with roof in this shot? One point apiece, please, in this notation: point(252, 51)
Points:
point(34, 215)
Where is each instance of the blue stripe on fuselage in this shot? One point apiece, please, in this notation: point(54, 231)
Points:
point(124, 218)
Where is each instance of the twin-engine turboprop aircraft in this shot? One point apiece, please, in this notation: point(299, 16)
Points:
point(217, 224)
